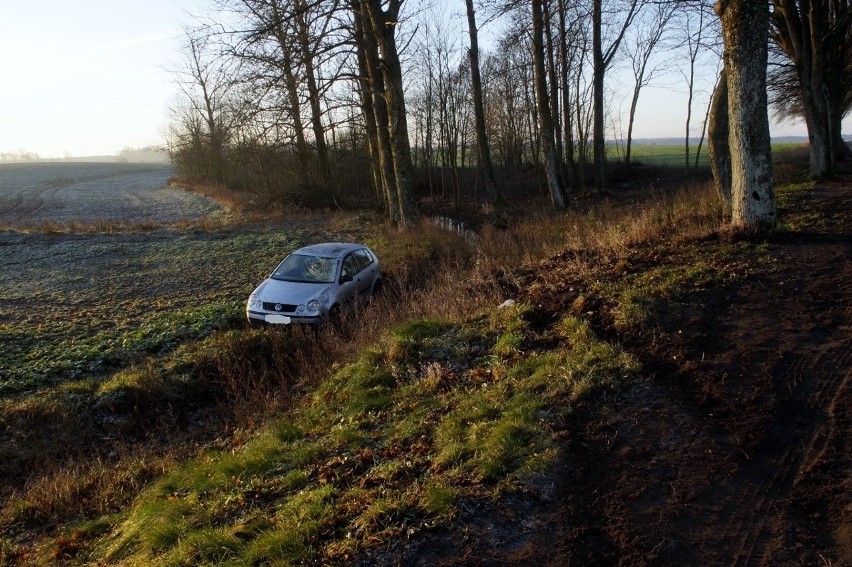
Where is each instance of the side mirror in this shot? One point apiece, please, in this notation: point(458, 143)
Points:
point(345, 278)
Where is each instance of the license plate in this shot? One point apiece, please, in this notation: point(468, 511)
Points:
point(278, 319)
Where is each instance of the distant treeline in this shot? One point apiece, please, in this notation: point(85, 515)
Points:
point(18, 157)
point(149, 154)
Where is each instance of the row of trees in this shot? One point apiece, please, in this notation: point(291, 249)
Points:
point(306, 99)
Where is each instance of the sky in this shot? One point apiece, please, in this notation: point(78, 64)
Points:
point(91, 77)
point(87, 77)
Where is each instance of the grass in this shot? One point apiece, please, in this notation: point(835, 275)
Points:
point(84, 305)
point(390, 443)
point(218, 444)
point(673, 155)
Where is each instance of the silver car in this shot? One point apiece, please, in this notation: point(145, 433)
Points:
point(314, 282)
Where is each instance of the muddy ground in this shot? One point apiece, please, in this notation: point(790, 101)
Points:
point(732, 448)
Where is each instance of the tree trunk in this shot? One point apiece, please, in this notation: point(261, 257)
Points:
point(717, 140)
point(819, 136)
point(631, 117)
point(598, 70)
point(801, 30)
point(567, 121)
point(553, 83)
point(313, 90)
point(291, 85)
point(544, 117)
point(383, 25)
point(745, 26)
point(375, 110)
point(491, 188)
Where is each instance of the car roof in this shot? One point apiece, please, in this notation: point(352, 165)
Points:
point(330, 249)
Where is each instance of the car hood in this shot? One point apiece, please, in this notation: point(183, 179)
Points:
point(294, 293)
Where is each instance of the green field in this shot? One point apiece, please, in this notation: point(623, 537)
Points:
point(673, 154)
point(76, 305)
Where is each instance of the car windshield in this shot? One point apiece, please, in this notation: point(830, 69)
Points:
point(306, 269)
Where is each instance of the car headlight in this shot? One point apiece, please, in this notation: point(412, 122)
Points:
point(313, 305)
point(254, 302)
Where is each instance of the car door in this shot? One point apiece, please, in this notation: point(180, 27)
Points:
point(369, 270)
point(349, 284)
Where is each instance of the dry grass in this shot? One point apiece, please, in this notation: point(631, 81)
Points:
point(250, 374)
point(612, 227)
point(433, 273)
point(86, 489)
point(233, 201)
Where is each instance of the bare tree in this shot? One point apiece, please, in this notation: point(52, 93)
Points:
point(745, 28)
point(639, 49)
point(601, 60)
point(699, 34)
point(545, 119)
point(507, 107)
point(204, 122)
point(282, 47)
point(483, 150)
point(374, 108)
point(443, 102)
point(312, 21)
point(382, 26)
point(567, 57)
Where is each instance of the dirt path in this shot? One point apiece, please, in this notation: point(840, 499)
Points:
point(737, 451)
point(733, 450)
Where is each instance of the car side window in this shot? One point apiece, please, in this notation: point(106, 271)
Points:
point(364, 258)
point(350, 267)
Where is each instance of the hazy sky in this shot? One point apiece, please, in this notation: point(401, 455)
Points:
point(89, 77)
point(86, 77)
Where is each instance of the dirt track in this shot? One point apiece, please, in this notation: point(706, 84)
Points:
point(734, 447)
point(737, 451)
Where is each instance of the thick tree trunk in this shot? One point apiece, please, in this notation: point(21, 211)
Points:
point(842, 151)
point(819, 137)
point(544, 117)
point(745, 26)
point(375, 111)
point(801, 30)
point(717, 140)
point(383, 25)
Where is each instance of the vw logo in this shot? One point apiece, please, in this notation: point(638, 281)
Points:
point(278, 307)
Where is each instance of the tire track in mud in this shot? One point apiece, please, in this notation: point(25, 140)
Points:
point(739, 458)
point(810, 377)
point(29, 201)
point(754, 501)
point(25, 203)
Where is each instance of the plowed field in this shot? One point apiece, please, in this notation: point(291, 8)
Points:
point(33, 194)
